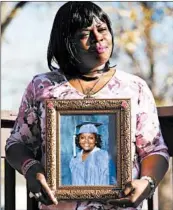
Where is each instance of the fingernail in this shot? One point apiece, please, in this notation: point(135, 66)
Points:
point(40, 205)
point(55, 201)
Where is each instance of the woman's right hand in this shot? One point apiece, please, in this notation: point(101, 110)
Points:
point(37, 185)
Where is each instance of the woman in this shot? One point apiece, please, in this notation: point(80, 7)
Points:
point(92, 166)
point(81, 43)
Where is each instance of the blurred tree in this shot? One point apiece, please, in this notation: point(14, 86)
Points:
point(142, 18)
point(7, 18)
point(135, 23)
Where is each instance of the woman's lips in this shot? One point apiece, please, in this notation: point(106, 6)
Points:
point(98, 49)
point(86, 145)
point(101, 49)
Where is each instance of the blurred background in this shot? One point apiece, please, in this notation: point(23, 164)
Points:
point(143, 34)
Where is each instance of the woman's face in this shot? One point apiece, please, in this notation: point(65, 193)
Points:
point(93, 44)
point(87, 141)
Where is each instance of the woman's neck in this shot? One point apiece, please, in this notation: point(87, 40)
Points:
point(91, 71)
point(92, 74)
point(85, 154)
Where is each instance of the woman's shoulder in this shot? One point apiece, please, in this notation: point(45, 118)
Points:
point(129, 79)
point(101, 152)
point(126, 76)
point(53, 77)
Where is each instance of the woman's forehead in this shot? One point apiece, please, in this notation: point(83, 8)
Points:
point(96, 23)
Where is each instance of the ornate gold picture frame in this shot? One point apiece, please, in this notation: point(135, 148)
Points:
point(99, 129)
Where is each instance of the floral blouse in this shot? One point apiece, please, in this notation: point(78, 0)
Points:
point(146, 137)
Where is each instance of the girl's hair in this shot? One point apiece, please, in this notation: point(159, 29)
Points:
point(97, 138)
point(71, 17)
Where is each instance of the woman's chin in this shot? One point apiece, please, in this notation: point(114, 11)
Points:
point(90, 63)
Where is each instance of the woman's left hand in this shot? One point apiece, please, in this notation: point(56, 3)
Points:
point(133, 194)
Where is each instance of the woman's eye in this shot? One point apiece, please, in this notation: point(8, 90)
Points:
point(84, 35)
point(102, 29)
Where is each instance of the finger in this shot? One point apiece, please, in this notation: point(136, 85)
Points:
point(41, 197)
point(33, 185)
point(134, 197)
point(129, 189)
point(39, 205)
point(47, 189)
point(45, 199)
point(122, 202)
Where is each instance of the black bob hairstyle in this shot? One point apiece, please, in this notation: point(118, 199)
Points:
point(97, 137)
point(70, 17)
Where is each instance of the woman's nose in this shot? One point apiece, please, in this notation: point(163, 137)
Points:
point(96, 36)
point(87, 140)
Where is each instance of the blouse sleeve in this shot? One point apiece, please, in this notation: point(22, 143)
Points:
point(26, 129)
point(149, 138)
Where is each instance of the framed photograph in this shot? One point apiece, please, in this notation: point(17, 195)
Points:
point(88, 147)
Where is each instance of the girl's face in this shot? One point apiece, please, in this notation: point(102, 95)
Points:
point(87, 141)
point(93, 44)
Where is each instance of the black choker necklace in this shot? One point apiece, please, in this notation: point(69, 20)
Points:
point(87, 78)
point(101, 71)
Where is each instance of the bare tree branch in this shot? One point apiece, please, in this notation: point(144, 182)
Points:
point(12, 14)
point(148, 24)
point(137, 71)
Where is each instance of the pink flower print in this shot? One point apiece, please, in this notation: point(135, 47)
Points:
point(22, 109)
point(66, 94)
point(40, 84)
point(37, 83)
point(157, 139)
point(124, 104)
point(145, 142)
point(141, 141)
point(46, 83)
point(20, 120)
point(31, 117)
point(144, 146)
point(29, 88)
point(42, 89)
point(141, 118)
point(115, 83)
point(110, 86)
point(25, 131)
point(149, 148)
point(28, 92)
point(46, 93)
point(21, 114)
